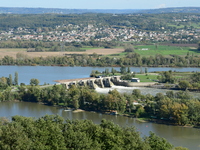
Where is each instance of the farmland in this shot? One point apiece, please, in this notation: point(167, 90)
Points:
point(142, 50)
point(100, 51)
point(165, 50)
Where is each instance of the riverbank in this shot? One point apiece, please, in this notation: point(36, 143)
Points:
point(160, 121)
point(141, 120)
point(26, 109)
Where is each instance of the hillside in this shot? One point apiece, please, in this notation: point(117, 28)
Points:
point(23, 10)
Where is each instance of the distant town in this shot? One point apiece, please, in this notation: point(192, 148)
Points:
point(80, 33)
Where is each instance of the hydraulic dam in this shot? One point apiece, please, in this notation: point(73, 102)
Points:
point(103, 82)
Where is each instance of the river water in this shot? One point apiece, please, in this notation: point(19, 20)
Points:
point(178, 136)
point(50, 73)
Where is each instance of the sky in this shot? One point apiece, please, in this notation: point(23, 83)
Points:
point(100, 4)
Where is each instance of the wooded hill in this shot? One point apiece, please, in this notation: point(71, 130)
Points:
point(22, 10)
point(148, 22)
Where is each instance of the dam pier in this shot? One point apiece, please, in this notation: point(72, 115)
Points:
point(103, 82)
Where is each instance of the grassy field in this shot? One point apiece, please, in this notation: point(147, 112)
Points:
point(149, 77)
point(152, 77)
point(165, 50)
point(143, 50)
point(90, 48)
point(182, 75)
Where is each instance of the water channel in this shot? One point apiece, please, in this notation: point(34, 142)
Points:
point(178, 136)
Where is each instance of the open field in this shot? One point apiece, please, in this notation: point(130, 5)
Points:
point(165, 50)
point(101, 51)
point(143, 50)
point(149, 77)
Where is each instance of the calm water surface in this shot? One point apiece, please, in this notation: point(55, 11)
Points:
point(178, 136)
point(48, 73)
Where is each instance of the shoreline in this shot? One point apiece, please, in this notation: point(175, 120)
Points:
point(146, 120)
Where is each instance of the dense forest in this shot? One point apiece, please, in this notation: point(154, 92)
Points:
point(53, 132)
point(150, 22)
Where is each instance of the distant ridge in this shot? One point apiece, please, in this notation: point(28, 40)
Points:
point(24, 10)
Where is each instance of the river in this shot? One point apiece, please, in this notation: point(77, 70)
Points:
point(47, 74)
point(178, 136)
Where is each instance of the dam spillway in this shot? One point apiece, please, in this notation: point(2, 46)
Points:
point(91, 82)
point(103, 82)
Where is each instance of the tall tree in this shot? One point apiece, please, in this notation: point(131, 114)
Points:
point(16, 78)
point(123, 70)
point(10, 80)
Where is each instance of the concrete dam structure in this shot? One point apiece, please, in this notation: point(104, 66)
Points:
point(91, 82)
point(103, 82)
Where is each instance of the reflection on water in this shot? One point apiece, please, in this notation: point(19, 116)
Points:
point(178, 136)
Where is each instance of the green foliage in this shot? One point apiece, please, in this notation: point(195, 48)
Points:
point(130, 59)
point(3, 83)
point(16, 79)
point(166, 77)
point(52, 132)
point(177, 108)
point(34, 82)
point(127, 76)
point(129, 48)
point(9, 80)
point(184, 84)
point(123, 70)
point(157, 143)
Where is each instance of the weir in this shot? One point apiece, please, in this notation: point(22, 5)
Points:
point(91, 82)
point(103, 82)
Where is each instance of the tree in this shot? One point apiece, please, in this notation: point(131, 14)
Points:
point(128, 70)
point(195, 77)
point(106, 72)
point(129, 48)
point(10, 80)
point(140, 111)
point(157, 143)
point(113, 71)
point(184, 84)
point(180, 113)
point(16, 79)
point(146, 70)
point(34, 82)
point(136, 93)
point(3, 83)
point(123, 70)
point(167, 77)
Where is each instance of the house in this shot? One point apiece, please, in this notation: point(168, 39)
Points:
point(135, 80)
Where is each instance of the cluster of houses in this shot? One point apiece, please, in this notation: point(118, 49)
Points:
point(80, 33)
